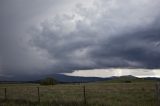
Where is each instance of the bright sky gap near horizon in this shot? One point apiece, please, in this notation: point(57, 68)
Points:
point(79, 37)
point(111, 72)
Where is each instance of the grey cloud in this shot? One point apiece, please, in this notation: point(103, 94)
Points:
point(16, 55)
point(109, 33)
point(103, 40)
point(136, 50)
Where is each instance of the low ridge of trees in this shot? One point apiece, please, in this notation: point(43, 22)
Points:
point(48, 81)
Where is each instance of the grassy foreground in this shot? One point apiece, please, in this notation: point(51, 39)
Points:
point(97, 94)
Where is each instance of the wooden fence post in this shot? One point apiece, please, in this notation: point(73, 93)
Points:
point(5, 93)
point(157, 94)
point(38, 95)
point(84, 94)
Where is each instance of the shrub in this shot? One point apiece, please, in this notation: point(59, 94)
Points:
point(48, 81)
point(127, 81)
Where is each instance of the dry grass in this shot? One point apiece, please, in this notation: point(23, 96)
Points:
point(97, 94)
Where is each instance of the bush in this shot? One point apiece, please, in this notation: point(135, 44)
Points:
point(127, 81)
point(48, 81)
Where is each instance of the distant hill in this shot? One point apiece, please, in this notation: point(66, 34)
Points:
point(130, 79)
point(121, 79)
point(76, 79)
point(72, 79)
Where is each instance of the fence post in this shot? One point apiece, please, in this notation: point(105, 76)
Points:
point(84, 95)
point(5, 93)
point(38, 95)
point(157, 93)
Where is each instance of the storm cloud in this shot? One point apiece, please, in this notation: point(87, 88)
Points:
point(44, 37)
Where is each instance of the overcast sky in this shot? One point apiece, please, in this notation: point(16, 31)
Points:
point(40, 37)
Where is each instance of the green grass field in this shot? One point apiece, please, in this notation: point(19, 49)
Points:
point(97, 94)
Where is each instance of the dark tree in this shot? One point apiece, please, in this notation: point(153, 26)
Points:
point(48, 81)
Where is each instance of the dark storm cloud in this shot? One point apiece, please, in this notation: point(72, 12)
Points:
point(136, 50)
point(17, 56)
point(115, 40)
point(106, 34)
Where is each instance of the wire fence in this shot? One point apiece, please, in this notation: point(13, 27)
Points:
point(83, 93)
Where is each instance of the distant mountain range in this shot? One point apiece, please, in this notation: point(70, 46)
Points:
point(72, 79)
point(65, 78)
point(77, 79)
